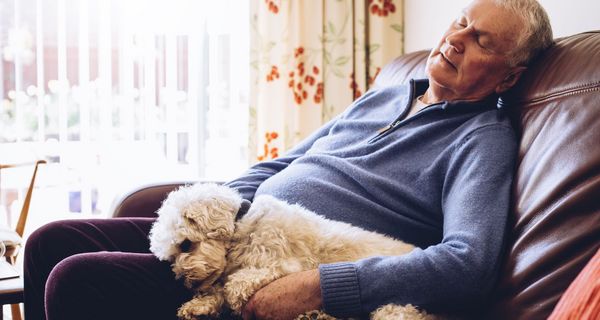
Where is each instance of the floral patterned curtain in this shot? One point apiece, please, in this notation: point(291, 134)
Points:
point(310, 59)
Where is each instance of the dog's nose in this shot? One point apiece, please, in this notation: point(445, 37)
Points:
point(185, 246)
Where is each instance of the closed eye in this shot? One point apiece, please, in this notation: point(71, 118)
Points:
point(480, 43)
point(461, 22)
point(484, 42)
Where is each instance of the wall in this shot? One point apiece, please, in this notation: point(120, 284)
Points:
point(426, 20)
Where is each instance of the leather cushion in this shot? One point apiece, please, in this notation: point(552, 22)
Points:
point(555, 227)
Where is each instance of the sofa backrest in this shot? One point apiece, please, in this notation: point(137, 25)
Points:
point(554, 226)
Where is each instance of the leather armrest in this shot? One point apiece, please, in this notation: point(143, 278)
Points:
point(145, 200)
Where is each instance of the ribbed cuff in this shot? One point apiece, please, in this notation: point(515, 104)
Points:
point(340, 289)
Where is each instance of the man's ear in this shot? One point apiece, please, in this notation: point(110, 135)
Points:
point(511, 79)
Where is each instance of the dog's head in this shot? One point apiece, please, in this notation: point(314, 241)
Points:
point(200, 264)
point(210, 218)
point(196, 214)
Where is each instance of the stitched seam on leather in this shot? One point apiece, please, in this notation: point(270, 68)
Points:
point(566, 93)
point(585, 88)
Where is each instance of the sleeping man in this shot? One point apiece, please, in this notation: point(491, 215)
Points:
point(429, 163)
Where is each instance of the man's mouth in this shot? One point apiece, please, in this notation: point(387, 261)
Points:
point(448, 60)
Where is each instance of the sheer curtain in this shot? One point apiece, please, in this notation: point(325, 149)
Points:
point(117, 93)
point(310, 60)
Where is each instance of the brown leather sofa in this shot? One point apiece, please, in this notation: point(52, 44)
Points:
point(555, 220)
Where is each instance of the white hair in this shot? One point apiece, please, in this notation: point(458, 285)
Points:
point(537, 35)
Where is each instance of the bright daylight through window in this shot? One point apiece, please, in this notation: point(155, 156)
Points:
point(118, 93)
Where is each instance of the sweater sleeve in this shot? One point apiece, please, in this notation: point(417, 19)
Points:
point(460, 270)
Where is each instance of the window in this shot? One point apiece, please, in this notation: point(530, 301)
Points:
point(116, 93)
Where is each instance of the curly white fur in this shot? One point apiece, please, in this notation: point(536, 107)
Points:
point(226, 261)
point(193, 213)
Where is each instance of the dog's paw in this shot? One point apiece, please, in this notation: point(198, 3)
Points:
point(200, 307)
point(406, 312)
point(315, 315)
point(242, 284)
point(237, 293)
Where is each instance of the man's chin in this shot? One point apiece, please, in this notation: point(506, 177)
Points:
point(440, 75)
point(433, 82)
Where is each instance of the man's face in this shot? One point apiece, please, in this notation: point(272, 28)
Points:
point(469, 63)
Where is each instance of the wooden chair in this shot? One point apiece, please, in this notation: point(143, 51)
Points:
point(11, 290)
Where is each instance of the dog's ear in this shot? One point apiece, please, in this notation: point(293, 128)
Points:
point(220, 234)
point(197, 212)
point(213, 220)
point(222, 226)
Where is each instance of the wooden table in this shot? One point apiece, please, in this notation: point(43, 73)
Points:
point(11, 292)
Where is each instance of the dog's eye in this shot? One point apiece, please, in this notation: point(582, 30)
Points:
point(185, 246)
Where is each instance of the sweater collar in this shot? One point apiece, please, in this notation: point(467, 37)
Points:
point(419, 86)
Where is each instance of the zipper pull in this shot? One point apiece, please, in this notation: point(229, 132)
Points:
point(384, 129)
point(388, 127)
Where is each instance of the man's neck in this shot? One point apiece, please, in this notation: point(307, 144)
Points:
point(416, 106)
point(433, 95)
point(436, 94)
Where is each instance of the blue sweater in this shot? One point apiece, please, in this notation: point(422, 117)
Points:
point(439, 179)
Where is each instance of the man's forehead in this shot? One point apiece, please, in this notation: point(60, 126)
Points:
point(494, 21)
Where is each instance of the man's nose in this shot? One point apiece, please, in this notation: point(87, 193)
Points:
point(456, 40)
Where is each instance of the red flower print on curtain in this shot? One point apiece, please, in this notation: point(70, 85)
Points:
point(303, 80)
point(310, 59)
point(354, 87)
point(372, 78)
point(273, 75)
point(273, 7)
point(269, 151)
point(381, 8)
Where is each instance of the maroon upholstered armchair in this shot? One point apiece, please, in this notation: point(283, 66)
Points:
point(555, 220)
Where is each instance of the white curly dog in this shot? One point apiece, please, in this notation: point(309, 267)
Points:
point(226, 261)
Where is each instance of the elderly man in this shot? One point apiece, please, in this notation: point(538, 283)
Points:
point(437, 174)
point(430, 163)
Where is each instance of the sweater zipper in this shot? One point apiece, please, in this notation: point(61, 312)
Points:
point(390, 127)
point(381, 132)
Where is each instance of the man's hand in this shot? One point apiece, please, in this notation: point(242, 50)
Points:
point(286, 298)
